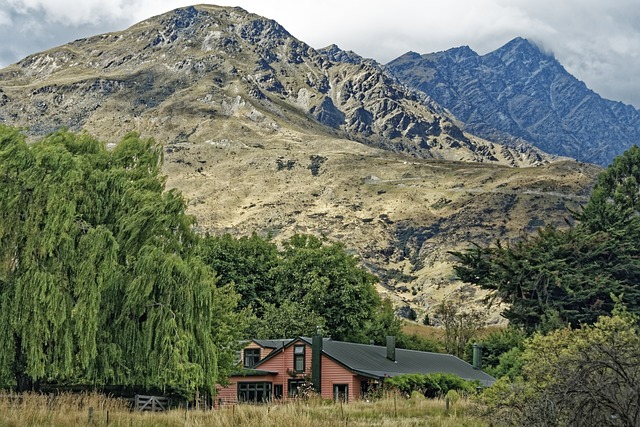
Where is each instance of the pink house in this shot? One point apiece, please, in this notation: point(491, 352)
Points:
point(282, 369)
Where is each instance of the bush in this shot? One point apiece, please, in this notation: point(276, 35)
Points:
point(430, 385)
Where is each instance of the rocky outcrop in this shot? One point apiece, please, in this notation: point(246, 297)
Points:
point(519, 93)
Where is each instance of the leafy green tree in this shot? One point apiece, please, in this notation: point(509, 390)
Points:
point(245, 262)
point(326, 280)
point(287, 320)
point(615, 202)
point(575, 377)
point(385, 323)
point(100, 282)
point(500, 352)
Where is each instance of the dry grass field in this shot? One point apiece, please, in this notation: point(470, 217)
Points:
point(73, 410)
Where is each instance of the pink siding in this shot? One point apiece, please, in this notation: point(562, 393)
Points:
point(334, 373)
point(282, 363)
point(229, 395)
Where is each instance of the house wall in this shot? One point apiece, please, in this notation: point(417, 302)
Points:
point(229, 395)
point(334, 373)
point(282, 362)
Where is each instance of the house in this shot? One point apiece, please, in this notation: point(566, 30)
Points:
point(281, 369)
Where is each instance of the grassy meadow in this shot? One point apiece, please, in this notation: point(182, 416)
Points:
point(392, 411)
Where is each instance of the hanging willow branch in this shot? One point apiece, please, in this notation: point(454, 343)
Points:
point(99, 283)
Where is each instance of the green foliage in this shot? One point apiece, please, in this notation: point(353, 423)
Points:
point(384, 323)
point(568, 276)
point(417, 342)
point(327, 280)
point(585, 376)
point(99, 278)
point(615, 202)
point(289, 319)
point(247, 263)
point(500, 351)
point(430, 385)
point(460, 326)
point(305, 285)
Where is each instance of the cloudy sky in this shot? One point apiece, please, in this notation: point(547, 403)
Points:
point(598, 41)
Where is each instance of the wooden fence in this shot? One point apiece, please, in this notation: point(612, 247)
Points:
point(151, 403)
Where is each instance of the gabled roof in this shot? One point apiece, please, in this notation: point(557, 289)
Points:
point(371, 361)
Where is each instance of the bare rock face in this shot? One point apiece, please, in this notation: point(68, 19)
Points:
point(264, 134)
point(519, 93)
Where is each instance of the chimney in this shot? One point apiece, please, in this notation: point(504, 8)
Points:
point(391, 348)
point(316, 362)
point(477, 356)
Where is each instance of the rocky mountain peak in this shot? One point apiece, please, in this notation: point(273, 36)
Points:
point(335, 54)
point(520, 93)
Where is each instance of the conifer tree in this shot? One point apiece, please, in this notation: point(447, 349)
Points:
point(560, 277)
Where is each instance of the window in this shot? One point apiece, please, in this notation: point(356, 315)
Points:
point(341, 392)
point(254, 392)
point(277, 391)
point(251, 357)
point(296, 386)
point(298, 358)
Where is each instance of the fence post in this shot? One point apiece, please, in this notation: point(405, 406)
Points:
point(446, 405)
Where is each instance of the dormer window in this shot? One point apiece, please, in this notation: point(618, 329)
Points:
point(251, 357)
point(298, 358)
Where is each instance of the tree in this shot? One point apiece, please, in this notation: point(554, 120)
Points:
point(575, 377)
point(100, 282)
point(460, 326)
point(287, 320)
point(327, 281)
point(615, 202)
point(245, 262)
point(567, 276)
point(500, 352)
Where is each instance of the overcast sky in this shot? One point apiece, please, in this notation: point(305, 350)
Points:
point(598, 41)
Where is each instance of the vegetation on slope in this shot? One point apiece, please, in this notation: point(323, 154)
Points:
point(576, 292)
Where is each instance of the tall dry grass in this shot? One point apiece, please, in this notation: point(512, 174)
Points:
point(392, 411)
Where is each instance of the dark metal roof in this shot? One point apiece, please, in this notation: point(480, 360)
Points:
point(371, 361)
point(280, 343)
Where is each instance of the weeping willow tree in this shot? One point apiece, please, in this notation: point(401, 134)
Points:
point(100, 282)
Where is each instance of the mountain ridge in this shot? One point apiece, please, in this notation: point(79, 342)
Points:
point(520, 93)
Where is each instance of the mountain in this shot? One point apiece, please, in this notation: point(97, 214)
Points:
point(172, 75)
point(521, 93)
point(264, 134)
